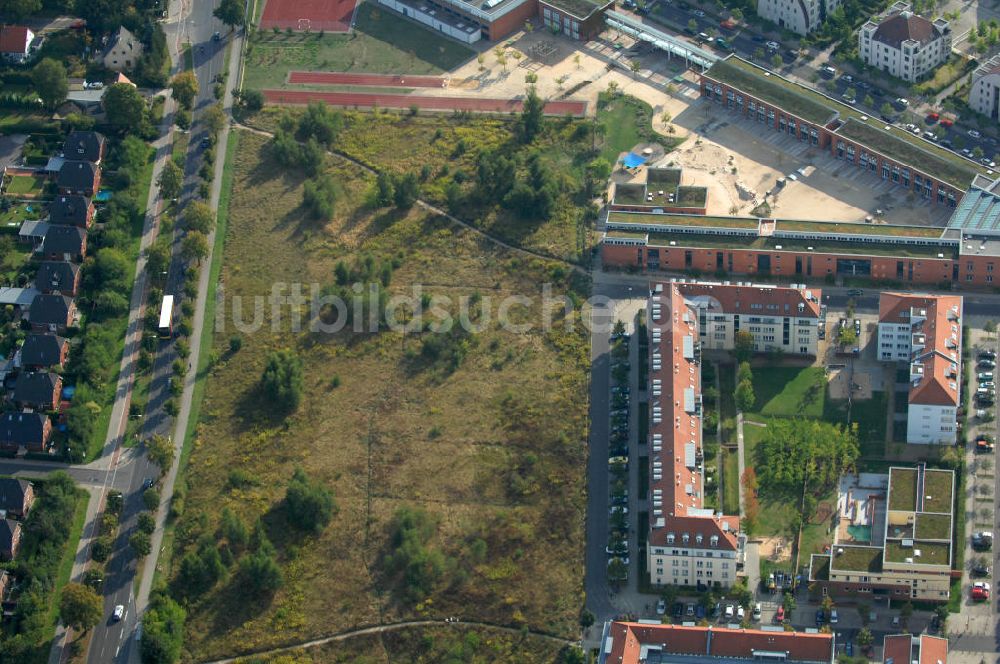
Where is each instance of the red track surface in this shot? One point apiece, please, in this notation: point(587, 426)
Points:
point(368, 100)
point(312, 15)
point(383, 80)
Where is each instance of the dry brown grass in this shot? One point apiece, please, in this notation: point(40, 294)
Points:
point(394, 432)
point(426, 645)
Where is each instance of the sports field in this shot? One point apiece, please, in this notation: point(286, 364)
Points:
point(308, 15)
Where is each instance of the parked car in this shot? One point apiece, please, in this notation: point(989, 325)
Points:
point(703, 37)
point(847, 78)
point(985, 375)
point(848, 99)
point(820, 617)
point(982, 540)
point(661, 607)
point(773, 45)
point(932, 118)
point(981, 591)
point(987, 364)
point(779, 616)
point(987, 355)
point(740, 612)
point(834, 617)
point(857, 327)
point(981, 569)
point(756, 611)
point(984, 445)
point(730, 611)
point(947, 122)
point(699, 13)
point(973, 133)
point(827, 72)
point(689, 610)
point(895, 621)
point(678, 610)
point(699, 612)
point(901, 103)
point(855, 292)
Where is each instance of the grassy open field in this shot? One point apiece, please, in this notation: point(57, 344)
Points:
point(626, 121)
point(789, 391)
point(869, 415)
point(446, 150)
point(428, 645)
point(382, 43)
point(489, 442)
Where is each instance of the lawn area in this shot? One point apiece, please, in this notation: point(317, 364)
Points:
point(446, 150)
point(626, 121)
point(730, 480)
point(869, 415)
point(487, 438)
point(26, 185)
point(789, 391)
point(382, 43)
point(727, 405)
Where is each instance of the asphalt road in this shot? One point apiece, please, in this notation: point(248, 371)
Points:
point(114, 641)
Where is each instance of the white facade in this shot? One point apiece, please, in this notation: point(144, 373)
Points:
point(905, 45)
point(790, 334)
point(468, 34)
point(691, 566)
point(984, 94)
point(799, 16)
point(21, 55)
point(930, 425)
point(895, 342)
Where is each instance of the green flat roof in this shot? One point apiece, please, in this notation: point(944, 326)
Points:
point(630, 194)
point(931, 553)
point(857, 559)
point(578, 8)
point(858, 228)
point(691, 197)
point(626, 235)
point(696, 240)
point(742, 223)
point(792, 97)
point(819, 567)
point(933, 526)
point(664, 177)
point(919, 154)
point(903, 489)
point(937, 491)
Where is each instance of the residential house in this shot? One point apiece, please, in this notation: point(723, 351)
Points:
point(904, 44)
point(925, 333)
point(984, 93)
point(33, 232)
point(123, 51)
point(85, 145)
point(779, 318)
point(79, 177)
point(71, 210)
point(799, 16)
point(650, 642)
point(58, 277)
point(15, 43)
point(38, 391)
point(689, 545)
point(10, 539)
point(42, 351)
point(30, 431)
point(915, 648)
point(65, 243)
point(51, 313)
point(16, 497)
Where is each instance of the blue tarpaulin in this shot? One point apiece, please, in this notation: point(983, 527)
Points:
point(631, 160)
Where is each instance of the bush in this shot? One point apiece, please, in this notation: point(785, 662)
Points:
point(417, 566)
point(282, 380)
point(140, 543)
point(162, 630)
point(146, 523)
point(151, 499)
point(309, 505)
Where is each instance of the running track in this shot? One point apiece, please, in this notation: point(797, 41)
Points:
point(383, 80)
point(388, 100)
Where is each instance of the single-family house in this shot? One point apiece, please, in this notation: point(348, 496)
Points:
point(16, 497)
point(71, 210)
point(79, 177)
point(32, 232)
point(51, 313)
point(15, 43)
point(10, 539)
point(85, 145)
point(58, 277)
point(42, 351)
point(30, 431)
point(123, 51)
point(65, 243)
point(38, 391)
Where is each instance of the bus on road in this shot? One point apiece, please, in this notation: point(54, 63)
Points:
point(166, 326)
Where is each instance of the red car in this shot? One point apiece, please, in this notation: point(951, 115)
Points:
point(981, 591)
point(945, 122)
point(932, 117)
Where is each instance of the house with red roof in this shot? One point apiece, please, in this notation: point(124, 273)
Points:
point(925, 332)
point(15, 43)
point(644, 641)
point(918, 649)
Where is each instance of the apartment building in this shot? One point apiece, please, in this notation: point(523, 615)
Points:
point(893, 538)
point(925, 332)
point(779, 318)
point(984, 93)
point(799, 16)
point(649, 642)
point(904, 44)
point(688, 544)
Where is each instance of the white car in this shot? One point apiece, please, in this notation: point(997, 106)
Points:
point(773, 45)
point(94, 85)
point(729, 610)
point(661, 607)
point(740, 612)
point(974, 134)
point(118, 613)
point(756, 611)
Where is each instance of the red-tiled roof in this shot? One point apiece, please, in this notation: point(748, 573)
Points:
point(941, 355)
point(933, 650)
point(775, 300)
point(14, 39)
point(627, 639)
point(896, 649)
point(681, 486)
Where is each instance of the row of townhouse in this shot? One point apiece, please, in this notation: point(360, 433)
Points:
point(31, 384)
point(688, 544)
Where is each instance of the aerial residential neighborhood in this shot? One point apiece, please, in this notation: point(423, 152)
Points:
point(570, 331)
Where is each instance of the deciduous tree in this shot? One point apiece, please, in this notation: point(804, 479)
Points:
point(184, 87)
point(231, 12)
point(51, 82)
point(80, 607)
point(171, 180)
